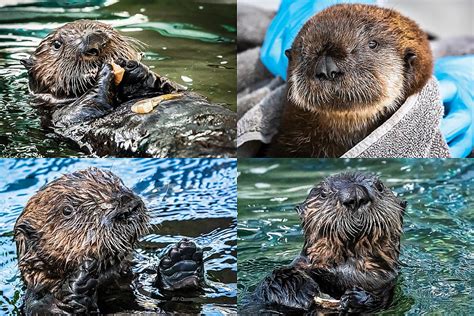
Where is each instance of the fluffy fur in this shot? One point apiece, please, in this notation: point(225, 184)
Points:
point(383, 58)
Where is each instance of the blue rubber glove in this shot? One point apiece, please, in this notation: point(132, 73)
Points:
point(281, 33)
point(456, 77)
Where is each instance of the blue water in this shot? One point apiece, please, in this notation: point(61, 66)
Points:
point(437, 246)
point(194, 198)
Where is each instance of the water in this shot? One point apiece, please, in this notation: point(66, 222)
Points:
point(437, 254)
point(187, 40)
point(194, 198)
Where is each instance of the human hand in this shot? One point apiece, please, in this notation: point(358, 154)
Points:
point(281, 33)
point(456, 77)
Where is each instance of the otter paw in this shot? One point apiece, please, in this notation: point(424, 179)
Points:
point(135, 72)
point(105, 83)
point(79, 292)
point(356, 300)
point(182, 268)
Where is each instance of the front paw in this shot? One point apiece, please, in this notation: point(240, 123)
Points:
point(79, 292)
point(105, 83)
point(182, 268)
point(356, 300)
point(135, 72)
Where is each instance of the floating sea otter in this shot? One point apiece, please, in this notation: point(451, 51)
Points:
point(352, 225)
point(75, 239)
point(87, 100)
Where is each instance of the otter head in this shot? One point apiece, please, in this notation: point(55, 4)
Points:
point(67, 61)
point(357, 57)
point(85, 214)
point(352, 217)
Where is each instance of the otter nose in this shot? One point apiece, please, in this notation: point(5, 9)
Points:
point(326, 69)
point(93, 43)
point(128, 206)
point(354, 196)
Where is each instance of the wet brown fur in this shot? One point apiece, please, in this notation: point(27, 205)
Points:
point(66, 73)
point(325, 119)
point(352, 226)
point(52, 244)
point(335, 236)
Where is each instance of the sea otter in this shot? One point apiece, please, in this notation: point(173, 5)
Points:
point(75, 239)
point(352, 225)
point(72, 79)
point(350, 68)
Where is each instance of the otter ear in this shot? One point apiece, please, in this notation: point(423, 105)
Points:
point(410, 58)
point(403, 204)
point(288, 53)
point(27, 63)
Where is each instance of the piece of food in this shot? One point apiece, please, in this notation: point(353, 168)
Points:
point(147, 105)
point(327, 303)
point(118, 73)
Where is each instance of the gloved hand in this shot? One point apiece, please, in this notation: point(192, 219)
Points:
point(456, 77)
point(281, 33)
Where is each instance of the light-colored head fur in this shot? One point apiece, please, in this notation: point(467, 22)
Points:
point(374, 78)
point(60, 67)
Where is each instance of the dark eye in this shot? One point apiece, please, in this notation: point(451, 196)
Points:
point(373, 44)
point(379, 186)
point(323, 194)
point(57, 45)
point(67, 211)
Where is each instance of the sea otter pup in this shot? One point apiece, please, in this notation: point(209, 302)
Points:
point(350, 68)
point(71, 76)
point(352, 225)
point(75, 239)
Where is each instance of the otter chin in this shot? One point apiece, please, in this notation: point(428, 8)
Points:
point(352, 225)
point(84, 215)
point(350, 68)
point(66, 62)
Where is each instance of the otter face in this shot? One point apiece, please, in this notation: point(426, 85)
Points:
point(85, 214)
point(67, 61)
point(354, 57)
point(351, 209)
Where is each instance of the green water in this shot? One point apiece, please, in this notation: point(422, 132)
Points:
point(437, 253)
point(187, 40)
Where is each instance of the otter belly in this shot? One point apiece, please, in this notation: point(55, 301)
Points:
point(184, 127)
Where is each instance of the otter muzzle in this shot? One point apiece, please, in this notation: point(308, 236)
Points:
point(354, 196)
point(93, 43)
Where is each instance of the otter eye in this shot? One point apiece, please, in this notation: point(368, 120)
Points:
point(379, 186)
point(323, 194)
point(373, 44)
point(67, 211)
point(57, 45)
